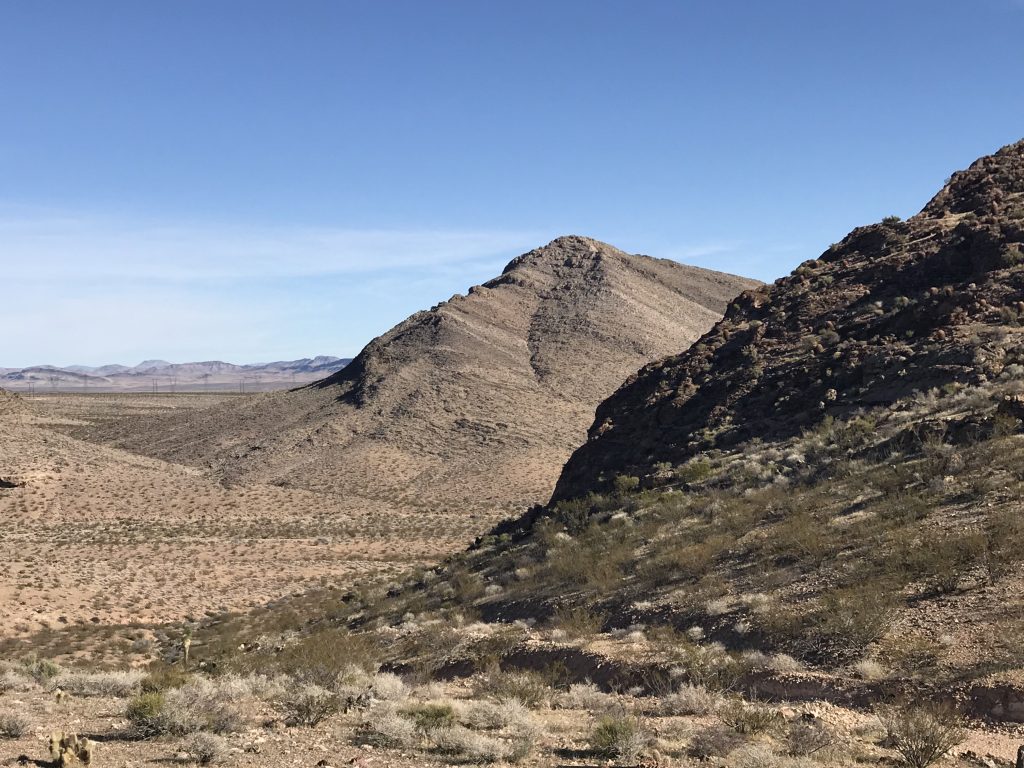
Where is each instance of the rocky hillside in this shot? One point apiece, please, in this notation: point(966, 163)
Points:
point(894, 308)
point(473, 404)
point(819, 500)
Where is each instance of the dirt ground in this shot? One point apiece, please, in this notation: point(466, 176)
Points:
point(562, 727)
point(94, 535)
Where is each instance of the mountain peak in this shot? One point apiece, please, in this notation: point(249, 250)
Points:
point(568, 250)
point(992, 185)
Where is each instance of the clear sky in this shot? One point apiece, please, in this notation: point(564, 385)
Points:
point(251, 180)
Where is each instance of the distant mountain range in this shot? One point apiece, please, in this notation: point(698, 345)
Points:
point(162, 376)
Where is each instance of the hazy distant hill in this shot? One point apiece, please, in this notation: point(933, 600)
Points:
point(162, 376)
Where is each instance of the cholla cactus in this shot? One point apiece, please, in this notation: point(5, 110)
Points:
point(186, 645)
point(67, 750)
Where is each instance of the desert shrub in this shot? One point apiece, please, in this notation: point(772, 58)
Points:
point(114, 684)
point(749, 718)
point(197, 706)
point(41, 670)
point(912, 656)
point(922, 734)
point(584, 696)
point(203, 705)
point(693, 471)
point(708, 666)
point(526, 687)
point(783, 663)
point(307, 704)
point(494, 715)
point(385, 727)
point(715, 742)
point(691, 700)
point(207, 748)
point(801, 538)
point(388, 687)
point(595, 559)
point(625, 484)
point(16, 680)
point(846, 621)
point(804, 738)
point(430, 717)
point(756, 756)
point(145, 714)
point(460, 742)
point(489, 651)
point(13, 725)
point(870, 669)
point(467, 586)
point(577, 621)
point(524, 735)
point(620, 737)
point(162, 677)
point(320, 657)
point(681, 561)
point(941, 559)
point(1003, 531)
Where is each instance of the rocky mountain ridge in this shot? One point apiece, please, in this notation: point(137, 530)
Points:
point(895, 308)
point(474, 403)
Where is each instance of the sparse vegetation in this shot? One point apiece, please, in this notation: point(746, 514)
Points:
point(207, 748)
point(620, 737)
point(922, 734)
point(307, 704)
point(13, 725)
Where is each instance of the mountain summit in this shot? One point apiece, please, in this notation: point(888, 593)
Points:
point(896, 308)
point(474, 403)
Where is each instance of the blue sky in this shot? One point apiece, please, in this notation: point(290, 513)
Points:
point(252, 180)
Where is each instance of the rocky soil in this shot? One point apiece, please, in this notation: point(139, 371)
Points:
point(893, 309)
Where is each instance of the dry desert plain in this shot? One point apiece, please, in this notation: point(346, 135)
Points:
point(97, 537)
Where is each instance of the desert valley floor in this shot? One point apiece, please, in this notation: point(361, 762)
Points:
point(98, 536)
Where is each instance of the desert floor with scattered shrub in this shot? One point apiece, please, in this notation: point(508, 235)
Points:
point(247, 720)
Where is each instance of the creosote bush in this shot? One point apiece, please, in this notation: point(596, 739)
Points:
point(430, 717)
point(457, 741)
point(715, 741)
point(922, 734)
point(13, 725)
point(385, 727)
point(528, 688)
point(307, 704)
point(199, 705)
point(584, 696)
point(620, 737)
point(145, 713)
point(692, 700)
point(207, 748)
point(750, 718)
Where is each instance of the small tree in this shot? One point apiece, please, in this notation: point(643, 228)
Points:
point(923, 733)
